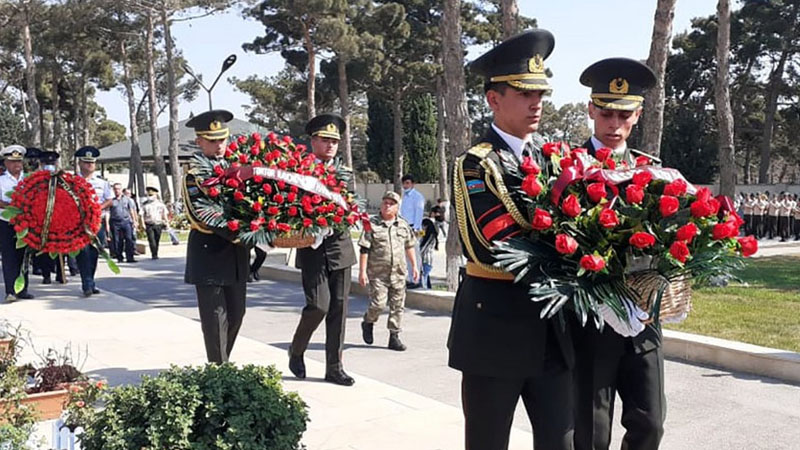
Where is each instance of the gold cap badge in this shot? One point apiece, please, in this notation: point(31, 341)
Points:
point(331, 128)
point(215, 125)
point(536, 64)
point(618, 86)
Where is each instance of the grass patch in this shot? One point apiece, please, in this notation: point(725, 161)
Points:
point(763, 310)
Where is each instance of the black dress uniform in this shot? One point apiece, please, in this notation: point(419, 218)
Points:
point(47, 265)
point(326, 275)
point(606, 362)
point(215, 263)
point(497, 338)
point(13, 257)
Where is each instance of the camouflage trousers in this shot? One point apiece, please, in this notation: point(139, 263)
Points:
point(383, 291)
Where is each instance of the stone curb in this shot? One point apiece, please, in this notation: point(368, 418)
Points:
point(729, 355)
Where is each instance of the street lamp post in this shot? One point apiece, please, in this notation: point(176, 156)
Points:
point(225, 66)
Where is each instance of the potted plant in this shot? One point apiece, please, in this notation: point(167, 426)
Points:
point(213, 406)
point(17, 421)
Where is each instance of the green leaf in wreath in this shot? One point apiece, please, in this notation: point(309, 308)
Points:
point(19, 283)
point(20, 244)
point(74, 254)
point(22, 234)
point(9, 212)
point(112, 265)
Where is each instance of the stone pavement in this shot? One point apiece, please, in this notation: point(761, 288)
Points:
point(145, 320)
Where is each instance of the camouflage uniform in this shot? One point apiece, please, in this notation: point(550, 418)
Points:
point(386, 245)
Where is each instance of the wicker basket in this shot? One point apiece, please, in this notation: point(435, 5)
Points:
point(676, 301)
point(293, 241)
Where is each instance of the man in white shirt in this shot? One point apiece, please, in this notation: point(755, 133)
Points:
point(772, 216)
point(87, 258)
point(155, 219)
point(412, 209)
point(784, 213)
point(12, 256)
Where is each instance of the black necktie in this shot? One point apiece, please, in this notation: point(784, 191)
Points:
point(527, 149)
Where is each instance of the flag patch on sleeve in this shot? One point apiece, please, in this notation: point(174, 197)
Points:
point(475, 187)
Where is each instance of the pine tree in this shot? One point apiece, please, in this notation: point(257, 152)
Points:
point(380, 137)
point(419, 138)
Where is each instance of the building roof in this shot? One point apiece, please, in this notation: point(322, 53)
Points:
point(121, 151)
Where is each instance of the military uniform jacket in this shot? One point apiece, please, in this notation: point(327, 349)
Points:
point(496, 329)
point(336, 252)
point(212, 257)
point(648, 339)
point(386, 245)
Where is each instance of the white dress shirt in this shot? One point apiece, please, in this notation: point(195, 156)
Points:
point(7, 184)
point(514, 142)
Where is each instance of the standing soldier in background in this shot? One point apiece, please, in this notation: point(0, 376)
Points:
point(498, 340)
point(215, 262)
point(12, 256)
point(87, 258)
point(326, 272)
point(759, 215)
point(382, 265)
point(773, 208)
point(154, 213)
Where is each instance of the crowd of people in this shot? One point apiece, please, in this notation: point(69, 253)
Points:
point(770, 216)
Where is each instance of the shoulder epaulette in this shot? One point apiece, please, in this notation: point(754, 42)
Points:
point(481, 150)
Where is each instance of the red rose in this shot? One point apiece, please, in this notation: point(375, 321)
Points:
point(301, 148)
point(315, 199)
point(273, 210)
point(566, 163)
point(596, 192)
point(256, 136)
point(292, 211)
point(642, 178)
point(213, 192)
point(552, 147)
point(218, 170)
point(571, 206)
point(267, 188)
point(668, 205)
point(307, 222)
point(283, 165)
point(233, 183)
point(272, 224)
point(593, 263)
point(724, 230)
point(337, 219)
point(642, 240)
point(233, 225)
point(257, 206)
point(284, 227)
point(242, 139)
point(686, 233)
point(529, 166)
point(255, 149)
point(676, 188)
point(611, 164)
point(321, 221)
point(701, 209)
point(272, 137)
point(602, 154)
point(255, 225)
point(608, 218)
point(634, 194)
point(749, 245)
point(642, 161)
point(679, 251)
point(541, 220)
point(243, 158)
point(531, 186)
point(278, 198)
point(232, 146)
point(565, 244)
point(287, 139)
point(281, 185)
point(291, 197)
point(703, 194)
point(238, 196)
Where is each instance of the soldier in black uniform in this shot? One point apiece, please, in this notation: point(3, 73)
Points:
point(215, 263)
point(606, 362)
point(46, 160)
point(325, 273)
point(497, 339)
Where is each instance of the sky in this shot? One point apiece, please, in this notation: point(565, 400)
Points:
point(585, 31)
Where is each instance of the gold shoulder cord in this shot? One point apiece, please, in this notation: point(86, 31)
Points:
point(463, 211)
point(196, 224)
point(499, 189)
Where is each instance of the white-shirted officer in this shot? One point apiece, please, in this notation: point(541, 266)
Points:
point(87, 258)
point(12, 256)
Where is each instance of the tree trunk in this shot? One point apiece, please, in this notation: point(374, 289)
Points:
point(34, 119)
point(775, 82)
point(510, 13)
point(727, 152)
point(57, 122)
point(397, 121)
point(456, 118)
point(441, 140)
point(312, 71)
point(136, 176)
point(82, 132)
point(174, 165)
point(653, 116)
point(344, 104)
point(158, 159)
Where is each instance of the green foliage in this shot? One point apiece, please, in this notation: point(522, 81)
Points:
point(568, 123)
point(419, 138)
point(210, 407)
point(380, 137)
point(108, 132)
point(12, 130)
point(17, 421)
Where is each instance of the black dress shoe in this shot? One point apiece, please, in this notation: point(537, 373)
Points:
point(297, 366)
point(95, 290)
point(256, 276)
point(24, 296)
point(366, 332)
point(87, 293)
point(339, 377)
point(132, 261)
point(47, 281)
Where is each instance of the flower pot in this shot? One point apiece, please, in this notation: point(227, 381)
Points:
point(48, 405)
point(6, 347)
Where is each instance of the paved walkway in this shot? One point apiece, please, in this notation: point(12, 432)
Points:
point(145, 320)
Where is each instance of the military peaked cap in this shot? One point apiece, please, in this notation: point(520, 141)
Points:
point(518, 61)
point(618, 83)
point(211, 124)
point(13, 152)
point(87, 154)
point(326, 125)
